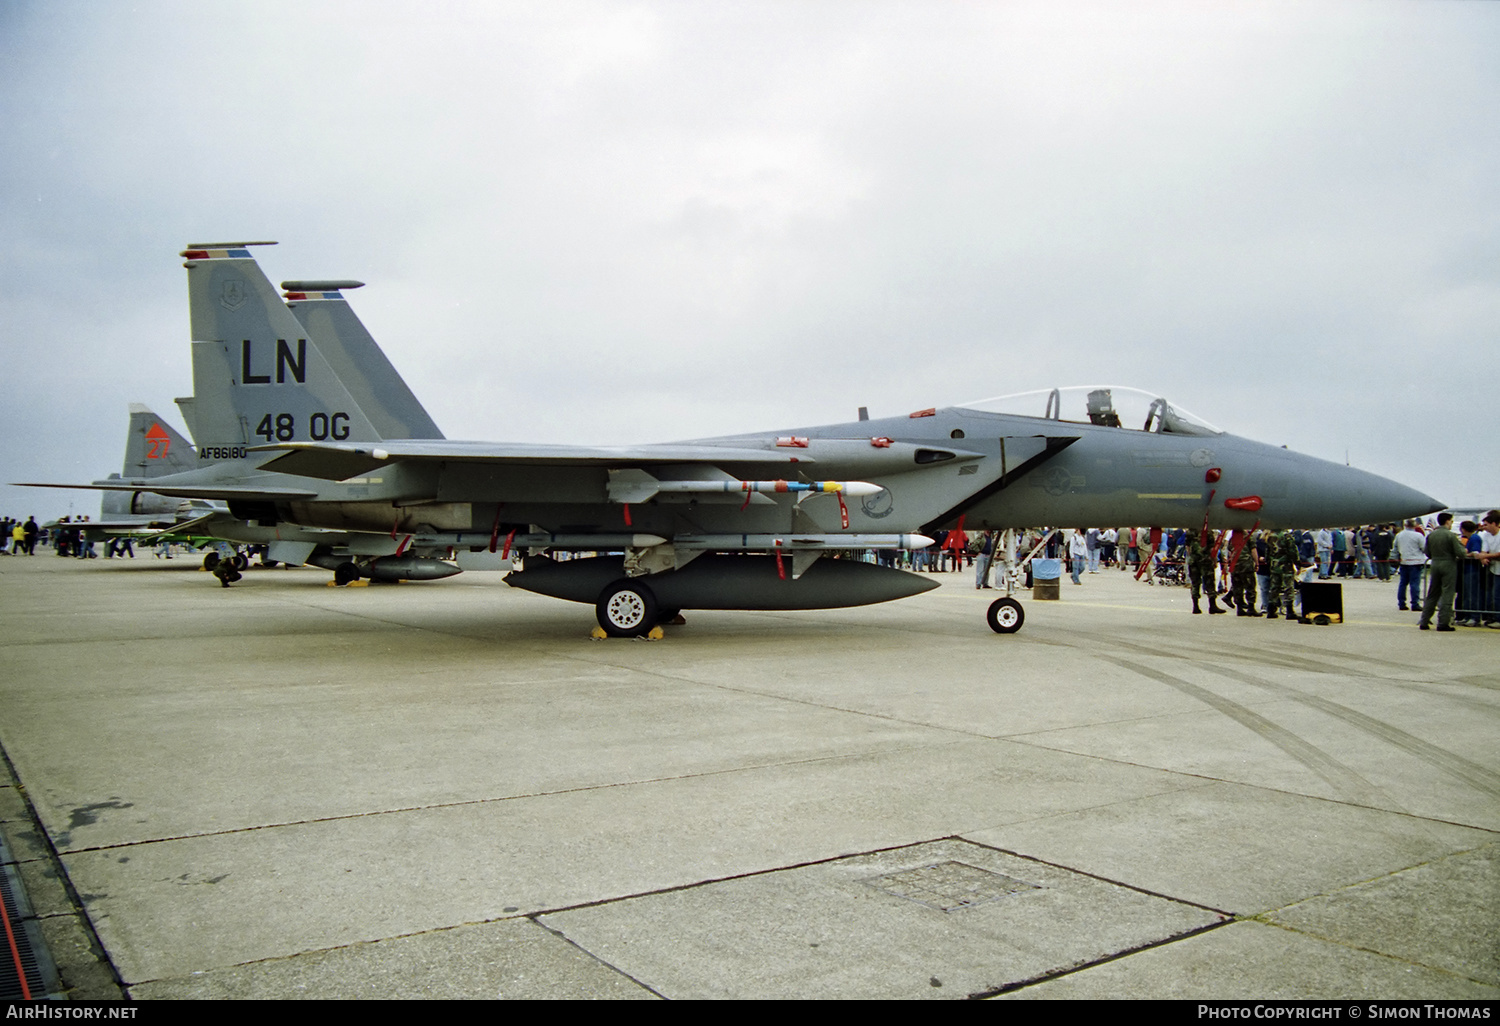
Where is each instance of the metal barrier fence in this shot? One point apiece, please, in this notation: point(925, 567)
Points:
point(1478, 597)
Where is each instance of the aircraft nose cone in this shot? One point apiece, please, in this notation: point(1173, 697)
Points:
point(1430, 505)
point(1347, 496)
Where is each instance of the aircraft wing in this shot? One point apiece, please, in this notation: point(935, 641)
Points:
point(154, 525)
point(333, 462)
point(139, 525)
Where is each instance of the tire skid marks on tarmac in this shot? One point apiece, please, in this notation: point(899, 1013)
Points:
point(1282, 656)
point(1352, 656)
point(1447, 693)
point(1350, 785)
point(1476, 776)
point(1480, 680)
point(1479, 777)
point(1284, 660)
point(1441, 689)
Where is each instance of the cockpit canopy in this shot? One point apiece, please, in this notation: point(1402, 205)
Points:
point(1104, 405)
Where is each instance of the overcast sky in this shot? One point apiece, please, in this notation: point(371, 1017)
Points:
point(633, 222)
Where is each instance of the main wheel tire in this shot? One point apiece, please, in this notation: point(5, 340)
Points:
point(1005, 616)
point(345, 573)
point(241, 561)
point(210, 561)
point(626, 610)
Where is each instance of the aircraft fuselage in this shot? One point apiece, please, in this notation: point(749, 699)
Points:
point(993, 470)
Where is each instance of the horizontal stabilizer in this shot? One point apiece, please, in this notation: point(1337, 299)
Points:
point(198, 525)
point(183, 491)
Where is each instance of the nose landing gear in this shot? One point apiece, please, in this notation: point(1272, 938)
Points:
point(1005, 616)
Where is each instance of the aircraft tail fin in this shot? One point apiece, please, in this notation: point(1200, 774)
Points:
point(153, 448)
point(357, 360)
point(258, 375)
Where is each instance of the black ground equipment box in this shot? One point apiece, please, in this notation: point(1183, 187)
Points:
point(1322, 601)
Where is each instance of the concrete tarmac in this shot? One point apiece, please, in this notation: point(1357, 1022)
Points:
point(448, 789)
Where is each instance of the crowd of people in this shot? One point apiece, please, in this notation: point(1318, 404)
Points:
point(17, 538)
point(66, 537)
point(1256, 572)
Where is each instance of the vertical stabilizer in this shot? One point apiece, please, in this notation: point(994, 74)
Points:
point(153, 447)
point(357, 360)
point(258, 376)
point(220, 431)
point(189, 411)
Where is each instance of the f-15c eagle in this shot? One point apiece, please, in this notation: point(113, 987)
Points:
point(301, 429)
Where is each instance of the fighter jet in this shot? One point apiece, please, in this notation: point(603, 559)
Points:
point(153, 448)
point(736, 522)
point(154, 516)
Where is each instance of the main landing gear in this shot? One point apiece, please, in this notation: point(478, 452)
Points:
point(626, 610)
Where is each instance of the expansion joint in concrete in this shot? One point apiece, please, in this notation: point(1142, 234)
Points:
point(60, 872)
point(1095, 876)
point(608, 965)
point(1047, 977)
point(1265, 920)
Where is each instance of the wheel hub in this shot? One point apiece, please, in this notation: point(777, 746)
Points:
point(626, 610)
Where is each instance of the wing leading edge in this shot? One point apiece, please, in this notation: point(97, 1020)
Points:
point(333, 462)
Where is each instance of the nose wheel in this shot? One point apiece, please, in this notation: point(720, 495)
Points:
point(1005, 616)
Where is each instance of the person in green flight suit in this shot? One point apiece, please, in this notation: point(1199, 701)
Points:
point(1445, 550)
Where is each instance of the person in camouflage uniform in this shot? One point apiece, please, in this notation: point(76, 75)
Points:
point(1243, 595)
point(1201, 569)
point(1281, 589)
